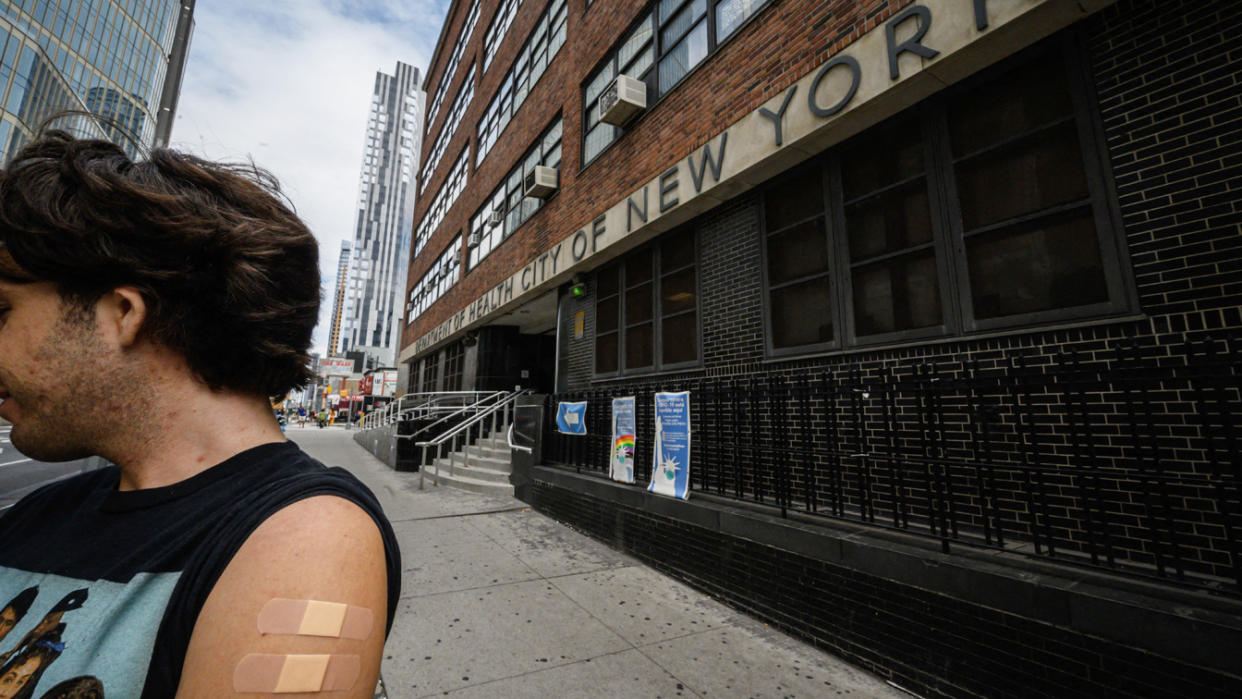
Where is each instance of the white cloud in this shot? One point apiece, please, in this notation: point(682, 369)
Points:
point(288, 83)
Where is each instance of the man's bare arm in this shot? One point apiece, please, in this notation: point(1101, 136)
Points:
point(323, 549)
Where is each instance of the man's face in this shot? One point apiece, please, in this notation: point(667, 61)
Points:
point(52, 373)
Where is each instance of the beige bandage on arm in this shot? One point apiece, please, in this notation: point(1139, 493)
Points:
point(284, 674)
point(315, 618)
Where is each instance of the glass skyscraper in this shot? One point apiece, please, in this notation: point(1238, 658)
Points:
point(117, 64)
point(381, 250)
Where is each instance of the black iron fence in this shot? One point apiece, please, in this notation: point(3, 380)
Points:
point(1123, 454)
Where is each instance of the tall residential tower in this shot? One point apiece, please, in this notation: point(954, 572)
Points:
point(338, 303)
point(381, 250)
point(117, 63)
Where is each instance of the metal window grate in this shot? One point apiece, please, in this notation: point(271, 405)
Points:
point(1125, 454)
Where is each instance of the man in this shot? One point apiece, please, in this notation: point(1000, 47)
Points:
point(148, 312)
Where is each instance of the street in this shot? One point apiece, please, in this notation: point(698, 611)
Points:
point(20, 475)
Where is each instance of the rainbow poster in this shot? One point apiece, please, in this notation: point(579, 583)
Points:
point(621, 464)
point(670, 468)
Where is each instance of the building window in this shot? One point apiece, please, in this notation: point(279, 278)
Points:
point(445, 198)
point(670, 38)
point(454, 363)
point(798, 274)
point(431, 372)
point(509, 201)
point(441, 277)
point(981, 208)
point(647, 309)
point(459, 50)
point(541, 47)
point(497, 29)
point(451, 122)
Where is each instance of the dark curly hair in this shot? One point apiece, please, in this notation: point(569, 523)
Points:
point(229, 272)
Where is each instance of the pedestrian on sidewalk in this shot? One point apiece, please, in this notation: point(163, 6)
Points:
point(192, 563)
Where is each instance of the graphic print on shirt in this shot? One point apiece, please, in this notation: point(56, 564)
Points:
point(63, 637)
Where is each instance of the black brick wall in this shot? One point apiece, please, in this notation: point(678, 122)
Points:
point(1168, 79)
point(731, 287)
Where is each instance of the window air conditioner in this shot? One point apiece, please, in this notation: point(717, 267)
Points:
point(621, 100)
point(496, 218)
point(540, 182)
point(473, 240)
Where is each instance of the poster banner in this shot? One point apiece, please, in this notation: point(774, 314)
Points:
point(670, 473)
point(571, 418)
point(389, 385)
point(621, 465)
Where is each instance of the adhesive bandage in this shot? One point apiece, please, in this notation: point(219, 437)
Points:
point(284, 674)
point(314, 618)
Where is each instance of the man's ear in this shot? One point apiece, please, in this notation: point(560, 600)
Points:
point(123, 312)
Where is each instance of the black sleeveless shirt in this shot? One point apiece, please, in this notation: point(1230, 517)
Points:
point(102, 588)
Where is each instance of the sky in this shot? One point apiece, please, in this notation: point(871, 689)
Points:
point(288, 84)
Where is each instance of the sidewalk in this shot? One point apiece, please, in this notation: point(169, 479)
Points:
point(501, 601)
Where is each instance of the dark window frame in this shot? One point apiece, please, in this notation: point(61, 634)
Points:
point(948, 235)
point(506, 12)
point(655, 92)
point(450, 71)
point(942, 241)
point(454, 366)
point(431, 373)
point(657, 317)
point(517, 83)
point(424, 294)
point(509, 187)
point(452, 121)
point(1102, 198)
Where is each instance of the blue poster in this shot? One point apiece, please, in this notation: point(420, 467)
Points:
point(670, 473)
point(621, 464)
point(571, 418)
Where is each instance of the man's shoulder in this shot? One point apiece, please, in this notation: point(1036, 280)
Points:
point(289, 468)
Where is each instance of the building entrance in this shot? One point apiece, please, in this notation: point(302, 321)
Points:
point(520, 349)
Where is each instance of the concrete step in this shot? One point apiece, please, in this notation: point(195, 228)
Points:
point(499, 446)
point(498, 439)
point(483, 451)
point(476, 471)
point(502, 465)
point(475, 485)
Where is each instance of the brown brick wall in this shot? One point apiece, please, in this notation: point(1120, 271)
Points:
point(781, 44)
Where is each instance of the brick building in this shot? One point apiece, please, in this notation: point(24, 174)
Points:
point(954, 286)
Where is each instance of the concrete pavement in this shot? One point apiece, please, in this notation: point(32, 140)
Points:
point(500, 601)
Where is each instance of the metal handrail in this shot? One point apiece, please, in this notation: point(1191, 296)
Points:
point(519, 447)
point(476, 406)
point(504, 405)
point(429, 400)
